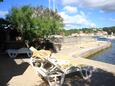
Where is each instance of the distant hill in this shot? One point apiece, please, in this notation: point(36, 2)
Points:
point(109, 29)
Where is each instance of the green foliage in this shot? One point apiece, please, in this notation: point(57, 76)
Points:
point(109, 29)
point(35, 22)
point(21, 19)
point(1, 0)
point(69, 32)
point(88, 30)
point(85, 30)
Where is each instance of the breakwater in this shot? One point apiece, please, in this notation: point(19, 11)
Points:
point(107, 56)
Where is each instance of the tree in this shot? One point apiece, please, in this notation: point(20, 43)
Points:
point(109, 29)
point(1, 0)
point(35, 22)
point(49, 21)
point(21, 19)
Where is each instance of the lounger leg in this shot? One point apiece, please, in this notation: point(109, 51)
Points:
point(29, 54)
point(62, 79)
point(85, 73)
point(12, 55)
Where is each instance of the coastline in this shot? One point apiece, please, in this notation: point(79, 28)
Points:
point(93, 50)
point(74, 51)
point(80, 54)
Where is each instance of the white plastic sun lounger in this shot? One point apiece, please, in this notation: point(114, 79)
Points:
point(54, 69)
point(49, 71)
point(14, 52)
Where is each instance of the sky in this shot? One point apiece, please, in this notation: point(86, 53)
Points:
point(76, 13)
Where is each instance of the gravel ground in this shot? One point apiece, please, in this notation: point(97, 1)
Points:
point(9, 69)
point(99, 78)
point(19, 73)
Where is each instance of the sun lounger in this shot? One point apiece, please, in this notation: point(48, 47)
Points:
point(54, 69)
point(14, 52)
point(49, 71)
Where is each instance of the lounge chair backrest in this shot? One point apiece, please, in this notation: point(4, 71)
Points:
point(42, 54)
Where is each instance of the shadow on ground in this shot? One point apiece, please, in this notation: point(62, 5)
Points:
point(9, 68)
point(99, 78)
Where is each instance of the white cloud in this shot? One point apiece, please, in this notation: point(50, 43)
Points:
point(78, 19)
point(101, 11)
point(3, 13)
point(112, 19)
point(66, 2)
point(106, 5)
point(70, 9)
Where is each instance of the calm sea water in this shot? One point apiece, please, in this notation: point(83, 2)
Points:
point(107, 55)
